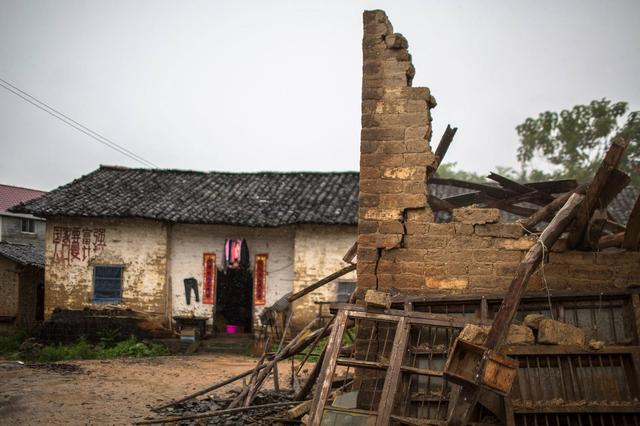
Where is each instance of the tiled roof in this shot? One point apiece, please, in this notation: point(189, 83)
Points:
point(247, 199)
point(12, 195)
point(24, 254)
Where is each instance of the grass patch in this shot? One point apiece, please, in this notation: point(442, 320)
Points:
point(10, 343)
point(19, 348)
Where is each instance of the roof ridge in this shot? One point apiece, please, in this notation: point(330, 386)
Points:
point(210, 172)
point(23, 187)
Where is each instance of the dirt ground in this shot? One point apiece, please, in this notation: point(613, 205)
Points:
point(107, 392)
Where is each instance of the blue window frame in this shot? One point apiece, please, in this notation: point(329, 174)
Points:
point(107, 284)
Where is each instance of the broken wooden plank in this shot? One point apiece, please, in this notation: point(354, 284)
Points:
point(328, 369)
point(438, 204)
point(392, 377)
point(492, 191)
point(611, 240)
point(594, 192)
point(632, 233)
point(546, 212)
point(443, 147)
point(595, 228)
point(469, 394)
point(463, 200)
point(320, 283)
point(554, 186)
point(351, 253)
point(519, 188)
point(214, 413)
point(617, 181)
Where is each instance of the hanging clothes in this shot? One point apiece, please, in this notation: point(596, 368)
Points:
point(244, 254)
point(236, 254)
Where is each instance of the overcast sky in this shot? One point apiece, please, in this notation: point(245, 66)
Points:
point(275, 85)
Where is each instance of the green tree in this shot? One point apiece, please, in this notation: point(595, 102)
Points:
point(575, 141)
point(448, 171)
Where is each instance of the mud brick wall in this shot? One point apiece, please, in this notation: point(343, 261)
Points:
point(399, 245)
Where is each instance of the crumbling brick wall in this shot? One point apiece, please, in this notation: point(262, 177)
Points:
point(399, 245)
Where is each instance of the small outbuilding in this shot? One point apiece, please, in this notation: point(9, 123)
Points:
point(21, 285)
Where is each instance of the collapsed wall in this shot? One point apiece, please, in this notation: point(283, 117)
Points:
point(399, 243)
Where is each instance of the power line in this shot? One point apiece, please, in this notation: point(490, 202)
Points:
point(72, 123)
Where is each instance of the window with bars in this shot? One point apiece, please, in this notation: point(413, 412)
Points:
point(107, 284)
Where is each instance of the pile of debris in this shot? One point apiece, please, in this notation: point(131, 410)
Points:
point(96, 323)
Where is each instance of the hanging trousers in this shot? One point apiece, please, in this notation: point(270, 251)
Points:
point(191, 283)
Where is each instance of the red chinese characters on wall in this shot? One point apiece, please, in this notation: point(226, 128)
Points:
point(260, 280)
point(209, 281)
point(75, 244)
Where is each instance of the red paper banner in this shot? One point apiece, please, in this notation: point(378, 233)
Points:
point(260, 280)
point(209, 281)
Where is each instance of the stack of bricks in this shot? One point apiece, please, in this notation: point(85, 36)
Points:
point(399, 245)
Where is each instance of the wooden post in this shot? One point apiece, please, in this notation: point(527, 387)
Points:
point(469, 394)
point(632, 234)
point(595, 190)
point(443, 147)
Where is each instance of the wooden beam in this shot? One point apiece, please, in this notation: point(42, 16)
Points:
point(490, 190)
point(468, 396)
point(318, 284)
point(554, 186)
point(547, 211)
point(443, 147)
point(595, 228)
point(519, 188)
point(351, 253)
point(616, 183)
point(632, 234)
point(463, 200)
point(594, 192)
point(611, 240)
point(438, 204)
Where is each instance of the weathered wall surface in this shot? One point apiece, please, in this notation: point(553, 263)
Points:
point(73, 246)
point(12, 230)
point(9, 280)
point(189, 242)
point(30, 279)
point(399, 244)
point(477, 254)
point(318, 252)
point(395, 152)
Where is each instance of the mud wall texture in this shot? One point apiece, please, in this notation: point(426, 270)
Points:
point(319, 250)
point(399, 244)
point(190, 242)
point(74, 246)
point(9, 281)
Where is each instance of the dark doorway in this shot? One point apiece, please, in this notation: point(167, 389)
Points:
point(234, 299)
point(40, 302)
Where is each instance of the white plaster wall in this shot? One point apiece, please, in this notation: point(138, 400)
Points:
point(189, 242)
point(319, 250)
